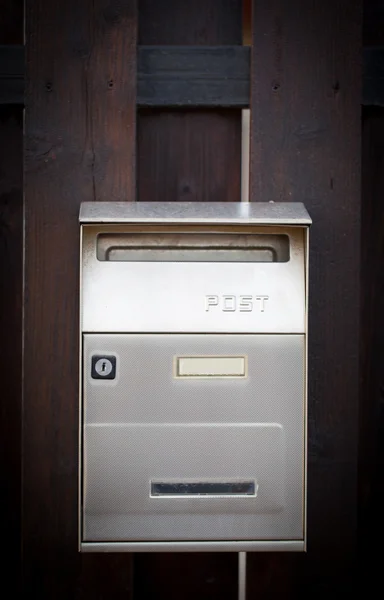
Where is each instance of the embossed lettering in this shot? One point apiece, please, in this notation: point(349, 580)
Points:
point(211, 301)
point(232, 303)
point(229, 303)
point(262, 300)
point(246, 304)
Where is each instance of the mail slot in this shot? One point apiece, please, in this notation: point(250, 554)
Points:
point(193, 376)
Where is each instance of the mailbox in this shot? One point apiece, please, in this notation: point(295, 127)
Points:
point(193, 376)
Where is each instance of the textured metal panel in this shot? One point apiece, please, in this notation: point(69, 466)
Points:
point(262, 213)
point(193, 296)
point(191, 247)
point(241, 546)
point(147, 425)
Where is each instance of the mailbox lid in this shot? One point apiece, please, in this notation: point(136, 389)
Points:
point(256, 213)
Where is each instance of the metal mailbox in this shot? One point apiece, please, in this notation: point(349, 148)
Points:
point(193, 376)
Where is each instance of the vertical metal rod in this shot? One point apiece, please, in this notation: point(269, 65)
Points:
point(245, 135)
point(242, 576)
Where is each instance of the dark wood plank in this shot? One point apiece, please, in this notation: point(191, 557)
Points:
point(373, 81)
point(172, 76)
point(11, 90)
point(11, 74)
point(183, 153)
point(220, 76)
point(206, 23)
point(11, 61)
point(373, 22)
point(190, 76)
point(305, 146)
point(11, 22)
point(80, 145)
point(371, 414)
point(11, 280)
point(194, 155)
point(371, 441)
point(191, 155)
point(206, 576)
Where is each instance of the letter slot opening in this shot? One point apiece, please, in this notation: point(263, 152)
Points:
point(192, 247)
point(203, 488)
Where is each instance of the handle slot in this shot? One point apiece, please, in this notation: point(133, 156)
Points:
point(192, 247)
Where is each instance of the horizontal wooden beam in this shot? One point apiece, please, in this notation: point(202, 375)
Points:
point(190, 76)
point(11, 74)
point(193, 76)
point(373, 82)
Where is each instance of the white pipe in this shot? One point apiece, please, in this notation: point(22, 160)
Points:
point(242, 576)
point(245, 136)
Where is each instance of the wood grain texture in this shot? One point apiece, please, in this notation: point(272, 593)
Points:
point(195, 155)
point(192, 156)
point(11, 280)
point(373, 22)
point(371, 414)
point(371, 448)
point(11, 21)
point(181, 156)
point(212, 76)
point(198, 23)
point(305, 146)
point(11, 74)
point(192, 76)
point(80, 145)
point(168, 576)
point(373, 80)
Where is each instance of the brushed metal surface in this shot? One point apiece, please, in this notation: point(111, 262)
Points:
point(224, 546)
point(146, 425)
point(267, 213)
point(189, 247)
point(173, 296)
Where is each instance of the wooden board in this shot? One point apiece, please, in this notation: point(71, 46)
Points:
point(193, 76)
point(80, 145)
point(305, 146)
point(11, 22)
point(195, 155)
point(212, 76)
point(11, 280)
point(11, 74)
point(371, 415)
point(373, 22)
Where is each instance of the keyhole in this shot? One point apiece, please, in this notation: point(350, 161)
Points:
point(103, 367)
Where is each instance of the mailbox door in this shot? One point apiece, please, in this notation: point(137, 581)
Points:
point(193, 437)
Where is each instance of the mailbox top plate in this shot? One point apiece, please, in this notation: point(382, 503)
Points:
point(256, 213)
